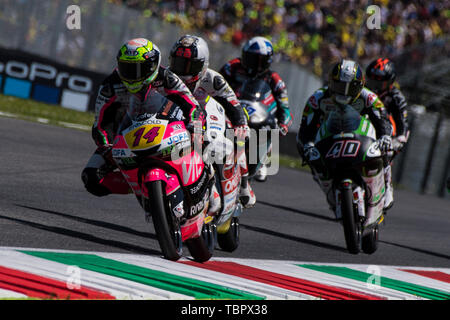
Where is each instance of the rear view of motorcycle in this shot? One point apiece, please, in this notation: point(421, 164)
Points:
point(256, 97)
point(348, 165)
point(224, 155)
point(153, 152)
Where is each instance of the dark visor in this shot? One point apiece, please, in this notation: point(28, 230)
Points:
point(133, 71)
point(255, 62)
point(345, 88)
point(186, 67)
point(376, 85)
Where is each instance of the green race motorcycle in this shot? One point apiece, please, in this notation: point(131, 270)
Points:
point(349, 166)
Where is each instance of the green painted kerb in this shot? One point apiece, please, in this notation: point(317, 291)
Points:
point(411, 288)
point(162, 280)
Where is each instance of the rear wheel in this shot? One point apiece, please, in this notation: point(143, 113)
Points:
point(352, 229)
point(229, 241)
point(166, 228)
point(370, 241)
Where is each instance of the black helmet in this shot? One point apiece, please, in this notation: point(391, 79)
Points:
point(380, 75)
point(346, 80)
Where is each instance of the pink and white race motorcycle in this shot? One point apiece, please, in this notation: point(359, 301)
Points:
point(226, 157)
point(153, 151)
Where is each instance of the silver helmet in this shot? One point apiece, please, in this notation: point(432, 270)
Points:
point(189, 58)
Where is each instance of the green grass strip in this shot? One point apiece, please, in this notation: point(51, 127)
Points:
point(32, 110)
point(162, 280)
point(411, 288)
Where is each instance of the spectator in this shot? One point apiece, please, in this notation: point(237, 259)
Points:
point(310, 32)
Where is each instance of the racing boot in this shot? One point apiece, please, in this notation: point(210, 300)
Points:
point(325, 186)
point(261, 175)
point(389, 194)
point(247, 196)
point(214, 201)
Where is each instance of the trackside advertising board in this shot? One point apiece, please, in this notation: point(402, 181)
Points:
point(30, 76)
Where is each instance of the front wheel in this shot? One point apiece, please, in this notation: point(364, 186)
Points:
point(352, 229)
point(199, 249)
point(167, 231)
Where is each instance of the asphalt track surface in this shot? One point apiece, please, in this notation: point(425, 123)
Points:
point(43, 204)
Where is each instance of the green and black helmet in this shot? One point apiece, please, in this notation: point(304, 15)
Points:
point(346, 81)
point(138, 63)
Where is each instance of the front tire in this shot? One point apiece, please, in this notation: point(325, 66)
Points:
point(199, 249)
point(168, 235)
point(351, 226)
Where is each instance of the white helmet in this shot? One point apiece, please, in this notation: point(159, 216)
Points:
point(189, 59)
point(257, 55)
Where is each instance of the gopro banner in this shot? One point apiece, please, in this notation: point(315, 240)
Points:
point(32, 77)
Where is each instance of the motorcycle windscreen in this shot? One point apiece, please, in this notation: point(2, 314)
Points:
point(343, 119)
point(254, 90)
point(152, 103)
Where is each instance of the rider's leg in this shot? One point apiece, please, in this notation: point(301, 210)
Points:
point(319, 173)
point(215, 202)
point(324, 183)
point(261, 175)
point(389, 194)
point(246, 195)
point(100, 180)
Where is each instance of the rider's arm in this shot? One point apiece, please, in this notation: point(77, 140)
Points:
point(217, 87)
point(280, 93)
point(228, 72)
point(106, 105)
point(376, 111)
point(399, 112)
point(311, 118)
point(178, 92)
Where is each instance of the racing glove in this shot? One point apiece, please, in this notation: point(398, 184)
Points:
point(310, 152)
point(283, 129)
point(106, 152)
point(399, 142)
point(385, 143)
point(242, 132)
point(197, 114)
point(197, 125)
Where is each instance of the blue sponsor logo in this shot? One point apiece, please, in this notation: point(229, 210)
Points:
point(178, 138)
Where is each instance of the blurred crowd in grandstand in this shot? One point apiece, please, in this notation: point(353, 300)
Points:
point(311, 32)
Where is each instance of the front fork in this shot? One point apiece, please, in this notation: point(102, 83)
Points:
point(173, 190)
point(358, 199)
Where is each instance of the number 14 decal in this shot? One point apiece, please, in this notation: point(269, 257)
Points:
point(149, 136)
point(347, 148)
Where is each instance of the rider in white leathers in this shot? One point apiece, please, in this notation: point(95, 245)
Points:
point(189, 59)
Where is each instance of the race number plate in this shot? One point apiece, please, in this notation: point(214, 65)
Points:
point(145, 136)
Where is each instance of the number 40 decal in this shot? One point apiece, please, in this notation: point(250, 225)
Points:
point(347, 148)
